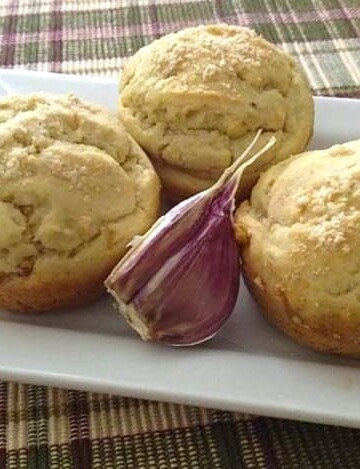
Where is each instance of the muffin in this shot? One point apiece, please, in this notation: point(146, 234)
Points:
point(300, 244)
point(194, 100)
point(74, 189)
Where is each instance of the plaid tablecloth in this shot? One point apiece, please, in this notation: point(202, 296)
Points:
point(51, 428)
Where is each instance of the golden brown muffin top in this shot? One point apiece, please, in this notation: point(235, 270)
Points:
point(195, 99)
point(69, 174)
point(301, 231)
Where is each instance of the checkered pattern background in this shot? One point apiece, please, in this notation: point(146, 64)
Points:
point(96, 36)
point(51, 428)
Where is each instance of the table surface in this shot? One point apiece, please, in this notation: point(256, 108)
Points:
point(45, 427)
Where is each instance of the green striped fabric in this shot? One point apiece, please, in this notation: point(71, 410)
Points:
point(51, 428)
point(96, 36)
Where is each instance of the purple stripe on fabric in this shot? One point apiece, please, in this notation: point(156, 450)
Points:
point(293, 18)
point(327, 17)
point(350, 17)
point(56, 37)
point(219, 10)
point(303, 16)
point(154, 28)
point(157, 28)
point(9, 34)
point(154, 21)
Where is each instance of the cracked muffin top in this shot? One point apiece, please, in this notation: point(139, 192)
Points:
point(300, 240)
point(74, 189)
point(195, 99)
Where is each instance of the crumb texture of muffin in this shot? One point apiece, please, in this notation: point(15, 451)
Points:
point(195, 99)
point(74, 190)
point(300, 243)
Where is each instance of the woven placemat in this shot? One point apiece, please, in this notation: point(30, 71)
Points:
point(50, 428)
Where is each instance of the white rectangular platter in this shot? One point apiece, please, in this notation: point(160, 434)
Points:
point(249, 366)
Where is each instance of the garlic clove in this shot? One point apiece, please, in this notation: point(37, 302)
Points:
point(185, 302)
point(169, 232)
point(178, 284)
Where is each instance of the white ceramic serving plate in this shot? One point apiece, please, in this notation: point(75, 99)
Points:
point(249, 366)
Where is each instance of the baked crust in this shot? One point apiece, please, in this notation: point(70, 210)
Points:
point(315, 334)
point(195, 99)
point(300, 236)
point(74, 190)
